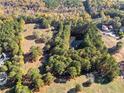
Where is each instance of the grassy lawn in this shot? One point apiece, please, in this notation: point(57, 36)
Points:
point(117, 86)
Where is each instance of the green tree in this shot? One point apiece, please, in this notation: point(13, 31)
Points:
point(59, 67)
point(36, 78)
point(19, 88)
point(108, 68)
point(48, 78)
point(15, 48)
point(35, 52)
point(3, 68)
point(72, 72)
point(45, 23)
point(119, 45)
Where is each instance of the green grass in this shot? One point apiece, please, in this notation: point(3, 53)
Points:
point(117, 86)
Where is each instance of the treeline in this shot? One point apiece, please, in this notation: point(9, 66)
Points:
point(90, 56)
point(10, 37)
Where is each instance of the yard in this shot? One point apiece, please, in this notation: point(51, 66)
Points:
point(29, 41)
point(114, 87)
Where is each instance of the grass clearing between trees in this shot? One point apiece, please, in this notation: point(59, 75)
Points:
point(116, 86)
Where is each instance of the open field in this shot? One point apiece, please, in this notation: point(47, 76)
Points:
point(117, 86)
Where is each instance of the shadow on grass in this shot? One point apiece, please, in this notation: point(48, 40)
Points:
point(112, 50)
point(86, 84)
point(60, 80)
point(102, 81)
point(30, 37)
point(38, 41)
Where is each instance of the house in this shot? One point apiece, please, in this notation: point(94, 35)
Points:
point(122, 29)
point(3, 78)
point(3, 58)
point(105, 28)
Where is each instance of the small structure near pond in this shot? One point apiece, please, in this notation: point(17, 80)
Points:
point(3, 75)
point(122, 29)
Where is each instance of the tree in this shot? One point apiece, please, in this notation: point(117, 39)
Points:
point(48, 78)
point(36, 78)
point(19, 59)
point(119, 45)
point(66, 37)
point(37, 34)
point(15, 48)
point(19, 88)
point(86, 17)
point(103, 15)
point(16, 73)
point(107, 68)
point(3, 68)
point(21, 23)
point(78, 88)
point(45, 23)
point(35, 52)
point(72, 72)
point(59, 67)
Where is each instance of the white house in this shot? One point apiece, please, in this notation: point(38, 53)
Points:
point(122, 29)
point(3, 78)
point(105, 28)
point(3, 58)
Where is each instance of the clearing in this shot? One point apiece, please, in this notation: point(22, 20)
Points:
point(28, 42)
point(114, 87)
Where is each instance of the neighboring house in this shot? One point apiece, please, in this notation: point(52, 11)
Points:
point(122, 29)
point(3, 75)
point(3, 58)
point(121, 6)
point(105, 28)
point(3, 78)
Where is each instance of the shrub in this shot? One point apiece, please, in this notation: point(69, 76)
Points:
point(78, 88)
